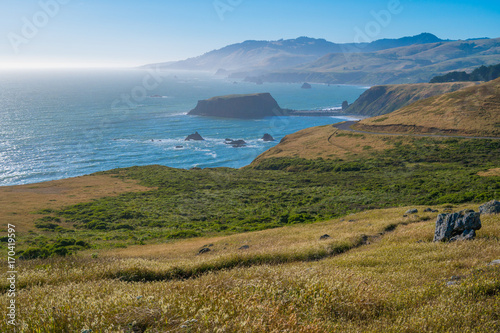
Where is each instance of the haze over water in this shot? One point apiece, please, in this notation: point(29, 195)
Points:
point(60, 124)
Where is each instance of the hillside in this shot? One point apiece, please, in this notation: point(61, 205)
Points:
point(261, 56)
point(410, 64)
point(471, 111)
point(380, 100)
point(377, 272)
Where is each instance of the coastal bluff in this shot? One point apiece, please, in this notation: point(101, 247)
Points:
point(248, 106)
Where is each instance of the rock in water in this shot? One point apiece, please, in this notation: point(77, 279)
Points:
point(492, 207)
point(306, 86)
point(251, 106)
point(235, 143)
point(457, 226)
point(196, 137)
point(267, 137)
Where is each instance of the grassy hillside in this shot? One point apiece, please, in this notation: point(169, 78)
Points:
point(271, 193)
point(381, 100)
point(472, 111)
point(379, 272)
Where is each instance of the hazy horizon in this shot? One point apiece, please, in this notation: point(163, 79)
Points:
point(68, 33)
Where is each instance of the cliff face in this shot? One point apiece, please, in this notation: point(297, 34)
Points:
point(238, 106)
point(381, 100)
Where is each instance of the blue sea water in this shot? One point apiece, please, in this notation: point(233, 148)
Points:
point(60, 124)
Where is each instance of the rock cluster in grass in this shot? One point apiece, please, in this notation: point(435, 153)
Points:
point(492, 207)
point(457, 226)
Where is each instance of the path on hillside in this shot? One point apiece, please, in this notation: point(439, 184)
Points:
point(346, 126)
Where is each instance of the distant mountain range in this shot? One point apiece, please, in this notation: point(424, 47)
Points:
point(404, 60)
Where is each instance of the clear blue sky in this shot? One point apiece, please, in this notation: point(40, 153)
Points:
point(129, 33)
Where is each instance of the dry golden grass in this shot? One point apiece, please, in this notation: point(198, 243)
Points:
point(381, 100)
point(19, 202)
point(328, 142)
point(395, 283)
point(471, 111)
point(490, 173)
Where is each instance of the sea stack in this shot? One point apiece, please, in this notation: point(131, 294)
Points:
point(195, 137)
point(252, 106)
point(267, 137)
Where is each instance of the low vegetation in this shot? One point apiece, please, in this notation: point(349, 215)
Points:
point(273, 193)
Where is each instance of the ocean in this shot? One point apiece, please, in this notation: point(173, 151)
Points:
point(66, 123)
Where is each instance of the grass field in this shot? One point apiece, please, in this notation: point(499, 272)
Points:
point(379, 272)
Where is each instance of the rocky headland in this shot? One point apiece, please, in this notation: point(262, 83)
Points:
point(251, 106)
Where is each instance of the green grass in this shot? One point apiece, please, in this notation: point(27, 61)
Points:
point(275, 193)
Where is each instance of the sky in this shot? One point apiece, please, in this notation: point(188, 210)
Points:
point(123, 33)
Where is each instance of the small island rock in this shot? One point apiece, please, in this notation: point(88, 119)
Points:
point(306, 86)
point(267, 137)
point(235, 143)
point(195, 137)
point(251, 106)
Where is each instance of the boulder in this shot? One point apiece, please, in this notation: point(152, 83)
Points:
point(494, 262)
point(195, 137)
point(244, 247)
point(325, 236)
point(411, 211)
point(457, 226)
point(306, 86)
point(235, 143)
point(267, 137)
point(492, 207)
point(204, 250)
point(250, 106)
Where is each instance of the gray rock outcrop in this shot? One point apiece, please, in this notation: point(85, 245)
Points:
point(492, 207)
point(412, 211)
point(195, 137)
point(267, 137)
point(457, 226)
point(306, 86)
point(235, 143)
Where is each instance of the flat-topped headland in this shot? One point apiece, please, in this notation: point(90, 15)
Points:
point(250, 106)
